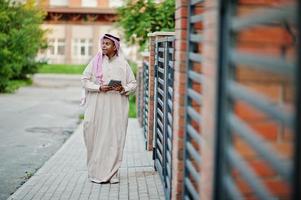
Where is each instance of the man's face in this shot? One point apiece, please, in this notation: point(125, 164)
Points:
point(108, 47)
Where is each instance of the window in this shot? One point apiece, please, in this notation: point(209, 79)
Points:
point(90, 47)
point(58, 2)
point(115, 3)
point(61, 46)
point(51, 46)
point(89, 3)
point(56, 46)
point(82, 47)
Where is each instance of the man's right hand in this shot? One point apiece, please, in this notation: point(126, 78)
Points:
point(105, 88)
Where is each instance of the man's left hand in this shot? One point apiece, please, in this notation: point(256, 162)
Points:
point(119, 88)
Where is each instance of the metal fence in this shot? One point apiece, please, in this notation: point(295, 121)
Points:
point(164, 73)
point(229, 162)
point(145, 90)
point(231, 127)
point(193, 138)
point(139, 95)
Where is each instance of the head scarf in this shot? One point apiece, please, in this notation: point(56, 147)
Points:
point(97, 60)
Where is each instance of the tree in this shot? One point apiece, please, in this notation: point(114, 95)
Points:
point(21, 37)
point(140, 17)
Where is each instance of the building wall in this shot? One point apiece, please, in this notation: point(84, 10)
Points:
point(79, 43)
point(84, 3)
point(56, 37)
point(76, 42)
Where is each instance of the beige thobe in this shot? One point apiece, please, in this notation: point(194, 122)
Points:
point(106, 118)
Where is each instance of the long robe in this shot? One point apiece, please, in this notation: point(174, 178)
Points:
point(106, 118)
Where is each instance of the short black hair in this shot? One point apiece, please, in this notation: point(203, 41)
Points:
point(111, 36)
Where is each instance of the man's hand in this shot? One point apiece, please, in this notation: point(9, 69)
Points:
point(118, 88)
point(105, 88)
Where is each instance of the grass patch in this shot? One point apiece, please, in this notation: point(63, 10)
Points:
point(132, 98)
point(134, 67)
point(132, 111)
point(13, 85)
point(71, 69)
point(81, 116)
point(61, 69)
point(28, 175)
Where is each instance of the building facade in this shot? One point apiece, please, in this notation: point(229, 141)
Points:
point(74, 28)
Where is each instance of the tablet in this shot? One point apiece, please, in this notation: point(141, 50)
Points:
point(114, 83)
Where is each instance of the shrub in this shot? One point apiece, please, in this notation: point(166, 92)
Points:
point(140, 17)
point(21, 37)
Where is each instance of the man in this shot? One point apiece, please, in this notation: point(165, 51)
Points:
point(106, 112)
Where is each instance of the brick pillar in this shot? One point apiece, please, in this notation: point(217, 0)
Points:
point(151, 85)
point(179, 100)
point(152, 42)
point(210, 64)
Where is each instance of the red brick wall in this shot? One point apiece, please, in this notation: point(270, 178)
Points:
point(179, 99)
point(210, 54)
point(151, 84)
point(273, 41)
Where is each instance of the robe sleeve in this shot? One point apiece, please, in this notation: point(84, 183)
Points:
point(86, 79)
point(131, 83)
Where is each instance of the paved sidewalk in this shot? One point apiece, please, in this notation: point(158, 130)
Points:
point(64, 176)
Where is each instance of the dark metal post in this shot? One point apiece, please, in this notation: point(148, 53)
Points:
point(155, 103)
point(164, 42)
point(297, 160)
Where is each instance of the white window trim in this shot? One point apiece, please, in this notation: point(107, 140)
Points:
point(89, 3)
point(58, 2)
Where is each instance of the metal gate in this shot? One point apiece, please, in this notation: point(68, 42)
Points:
point(231, 91)
point(145, 100)
point(140, 95)
point(193, 138)
point(164, 75)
